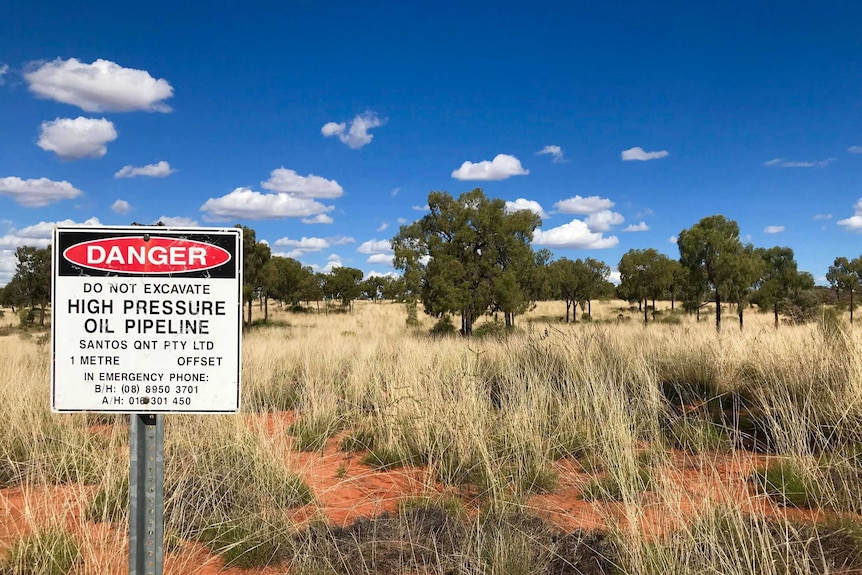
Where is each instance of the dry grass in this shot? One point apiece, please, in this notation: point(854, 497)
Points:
point(490, 417)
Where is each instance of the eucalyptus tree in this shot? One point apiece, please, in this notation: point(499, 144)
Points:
point(846, 275)
point(31, 284)
point(645, 274)
point(780, 279)
point(466, 255)
point(569, 279)
point(712, 251)
point(344, 284)
point(255, 254)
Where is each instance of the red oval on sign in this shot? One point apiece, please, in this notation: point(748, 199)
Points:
point(156, 255)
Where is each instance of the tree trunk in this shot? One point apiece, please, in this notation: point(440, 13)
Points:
point(671, 301)
point(739, 311)
point(717, 311)
point(697, 314)
point(250, 302)
point(653, 309)
point(266, 310)
point(775, 312)
point(851, 304)
point(590, 308)
point(646, 309)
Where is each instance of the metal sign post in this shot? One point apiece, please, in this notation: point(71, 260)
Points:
point(146, 493)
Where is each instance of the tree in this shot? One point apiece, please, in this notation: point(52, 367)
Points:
point(282, 279)
point(645, 274)
point(373, 286)
point(254, 256)
point(31, 284)
point(344, 284)
point(845, 275)
point(745, 275)
point(596, 284)
point(570, 278)
point(779, 280)
point(711, 248)
point(465, 256)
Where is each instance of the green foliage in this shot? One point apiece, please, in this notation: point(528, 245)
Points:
point(443, 328)
point(311, 434)
point(697, 435)
point(360, 440)
point(49, 552)
point(468, 255)
point(244, 546)
point(111, 502)
point(786, 484)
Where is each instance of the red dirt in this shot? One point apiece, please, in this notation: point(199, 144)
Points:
point(344, 490)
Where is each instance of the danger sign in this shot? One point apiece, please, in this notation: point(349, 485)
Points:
point(146, 319)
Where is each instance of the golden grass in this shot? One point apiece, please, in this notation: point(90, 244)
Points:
point(494, 413)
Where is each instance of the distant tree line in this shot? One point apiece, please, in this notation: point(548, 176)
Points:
point(469, 256)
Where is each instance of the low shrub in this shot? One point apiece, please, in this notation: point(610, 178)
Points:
point(49, 552)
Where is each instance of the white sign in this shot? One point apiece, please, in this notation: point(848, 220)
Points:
point(146, 319)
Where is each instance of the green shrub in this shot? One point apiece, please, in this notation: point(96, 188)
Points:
point(243, 546)
point(786, 484)
point(443, 328)
point(111, 502)
point(312, 434)
point(50, 552)
point(361, 440)
point(611, 488)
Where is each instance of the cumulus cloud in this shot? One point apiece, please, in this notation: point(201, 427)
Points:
point(384, 259)
point(773, 229)
point(641, 227)
point(574, 235)
point(638, 153)
point(782, 163)
point(603, 220)
point(854, 222)
point(424, 208)
point(39, 235)
point(244, 203)
point(79, 138)
point(555, 152)
point(159, 170)
point(524, 204)
point(382, 227)
point(579, 205)
point(332, 262)
point(318, 219)
point(102, 86)
point(375, 247)
point(303, 245)
point(357, 135)
point(615, 277)
point(121, 207)
point(672, 239)
point(178, 222)
point(503, 166)
point(37, 193)
point(286, 181)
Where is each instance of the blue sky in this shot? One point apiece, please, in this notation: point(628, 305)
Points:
point(325, 125)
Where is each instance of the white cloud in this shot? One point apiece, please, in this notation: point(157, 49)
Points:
point(395, 191)
point(782, 163)
point(579, 205)
point(641, 227)
point(638, 153)
point(357, 135)
point(38, 235)
point(374, 274)
point(37, 193)
point(382, 227)
point(286, 181)
point(773, 229)
point(102, 86)
point(341, 240)
point(854, 222)
point(159, 170)
point(244, 203)
point(7, 266)
point(178, 222)
point(402, 221)
point(672, 239)
point(555, 152)
point(524, 204)
point(424, 208)
point(121, 207)
point(501, 167)
point(385, 259)
point(615, 277)
point(603, 220)
point(375, 247)
point(303, 245)
point(573, 235)
point(333, 261)
point(822, 217)
point(79, 138)
point(855, 149)
point(4, 69)
point(318, 219)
